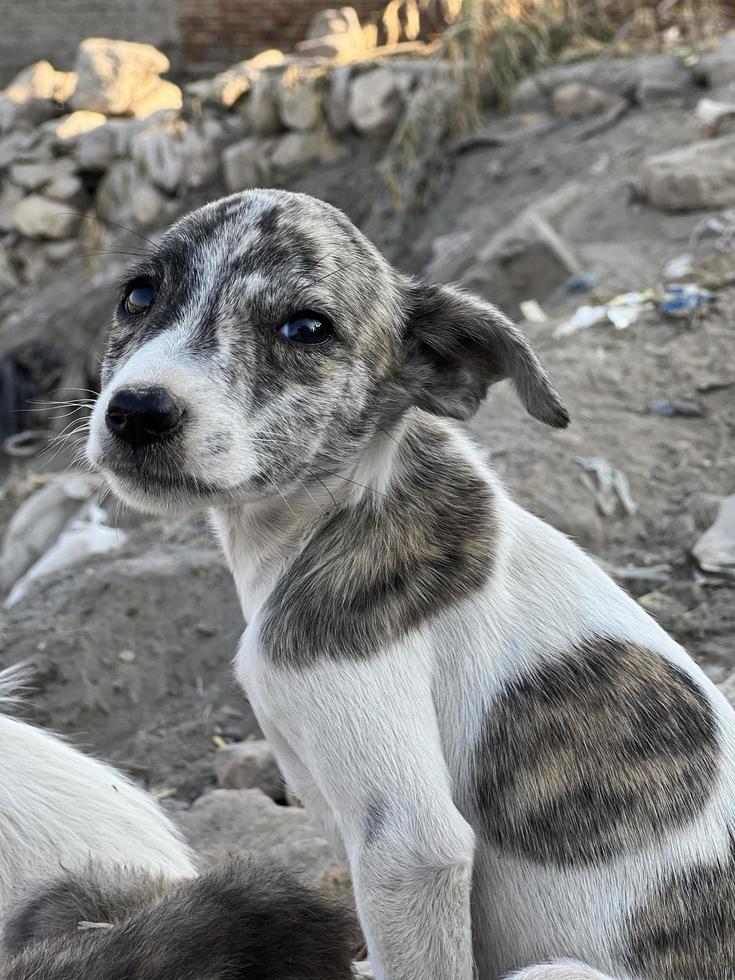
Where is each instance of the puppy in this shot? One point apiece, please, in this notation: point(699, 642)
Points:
point(519, 764)
point(239, 921)
point(60, 808)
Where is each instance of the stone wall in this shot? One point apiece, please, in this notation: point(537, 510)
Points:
point(194, 33)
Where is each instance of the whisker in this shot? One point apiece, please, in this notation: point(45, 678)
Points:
point(114, 224)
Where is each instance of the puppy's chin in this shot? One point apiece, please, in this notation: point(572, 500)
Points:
point(157, 496)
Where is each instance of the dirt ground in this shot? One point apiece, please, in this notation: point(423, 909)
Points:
point(134, 649)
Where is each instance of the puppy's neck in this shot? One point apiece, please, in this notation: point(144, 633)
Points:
point(260, 539)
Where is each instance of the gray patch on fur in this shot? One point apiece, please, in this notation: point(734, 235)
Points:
point(55, 906)
point(685, 929)
point(375, 570)
point(594, 756)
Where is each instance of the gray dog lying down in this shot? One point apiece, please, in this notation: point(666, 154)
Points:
point(241, 921)
point(519, 763)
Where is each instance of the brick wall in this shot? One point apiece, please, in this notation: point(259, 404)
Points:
point(222, 31)
point(52, 29)
point(194, 33)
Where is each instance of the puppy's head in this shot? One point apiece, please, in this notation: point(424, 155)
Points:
point(240, 920)
point(264, 341)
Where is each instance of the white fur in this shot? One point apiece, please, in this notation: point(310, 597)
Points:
point(380, 748)
point(60, 808)
point(398, 727)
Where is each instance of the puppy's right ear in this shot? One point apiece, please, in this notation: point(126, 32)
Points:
point(456, 345)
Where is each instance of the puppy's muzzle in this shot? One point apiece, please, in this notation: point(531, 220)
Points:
point(143, 417)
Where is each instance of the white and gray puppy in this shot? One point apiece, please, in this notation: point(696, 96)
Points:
point(520, 765)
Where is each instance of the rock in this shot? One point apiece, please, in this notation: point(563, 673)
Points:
point(717, 118)
point(228, 820)
point(716, 69)
point(342, 20)
point(41, 81)
point(172, 153)
point(65, 187)
point(60, 251)
point(34, 95)
point(261, 109)
point(8, 273)
point(703, 508)
point(148, 205)
point(159, 152)
point(95, 149)
point(165, 95)
point(376, 102)
point(300, 97)
point(451, 254)
point(115, 191)
point(115, 77)
point(296, 151)
point(249, 765)
point(245, 164)
point(38, 217)
point(661, 79)
point(332, 34)
point(21, 145)
point(10, 196)
point(74, 124)
point(201, 151)
point(33, 176)
point(30, 176)
point(338, 102)
point(616, 76)
point(700, 176)
point(225, 89)
point(578, 101)
point(715, 550)
point(528, 260)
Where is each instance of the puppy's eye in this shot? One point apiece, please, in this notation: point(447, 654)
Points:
point(307, 329)
point(139, 299)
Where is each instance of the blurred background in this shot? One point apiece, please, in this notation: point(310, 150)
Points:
point(571, 160)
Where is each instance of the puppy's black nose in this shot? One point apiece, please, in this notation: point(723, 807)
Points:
point(144, 417)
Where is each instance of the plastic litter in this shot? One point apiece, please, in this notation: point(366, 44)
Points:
point(662, 406)
point(582, 282)
point(683, 299)
point(612, 486)
point(715, 550)
point(584, 317)
point(622, 311)
point(532, 312)
point(28, 443)
point(39, 521)
point(679, 266)
point(82, 539)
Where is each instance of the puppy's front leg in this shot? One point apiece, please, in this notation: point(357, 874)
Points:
point(368, 734)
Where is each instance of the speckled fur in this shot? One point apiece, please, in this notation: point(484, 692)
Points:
point(524, 771)
point(239, 921)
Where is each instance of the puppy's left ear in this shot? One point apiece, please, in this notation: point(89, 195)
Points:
point(457, 345)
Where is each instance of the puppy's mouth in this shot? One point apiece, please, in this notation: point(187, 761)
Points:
point(154, 477)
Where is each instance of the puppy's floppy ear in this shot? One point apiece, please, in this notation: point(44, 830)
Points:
point(456, 346)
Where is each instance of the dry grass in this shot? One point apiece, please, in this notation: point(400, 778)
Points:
point(492, 45)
